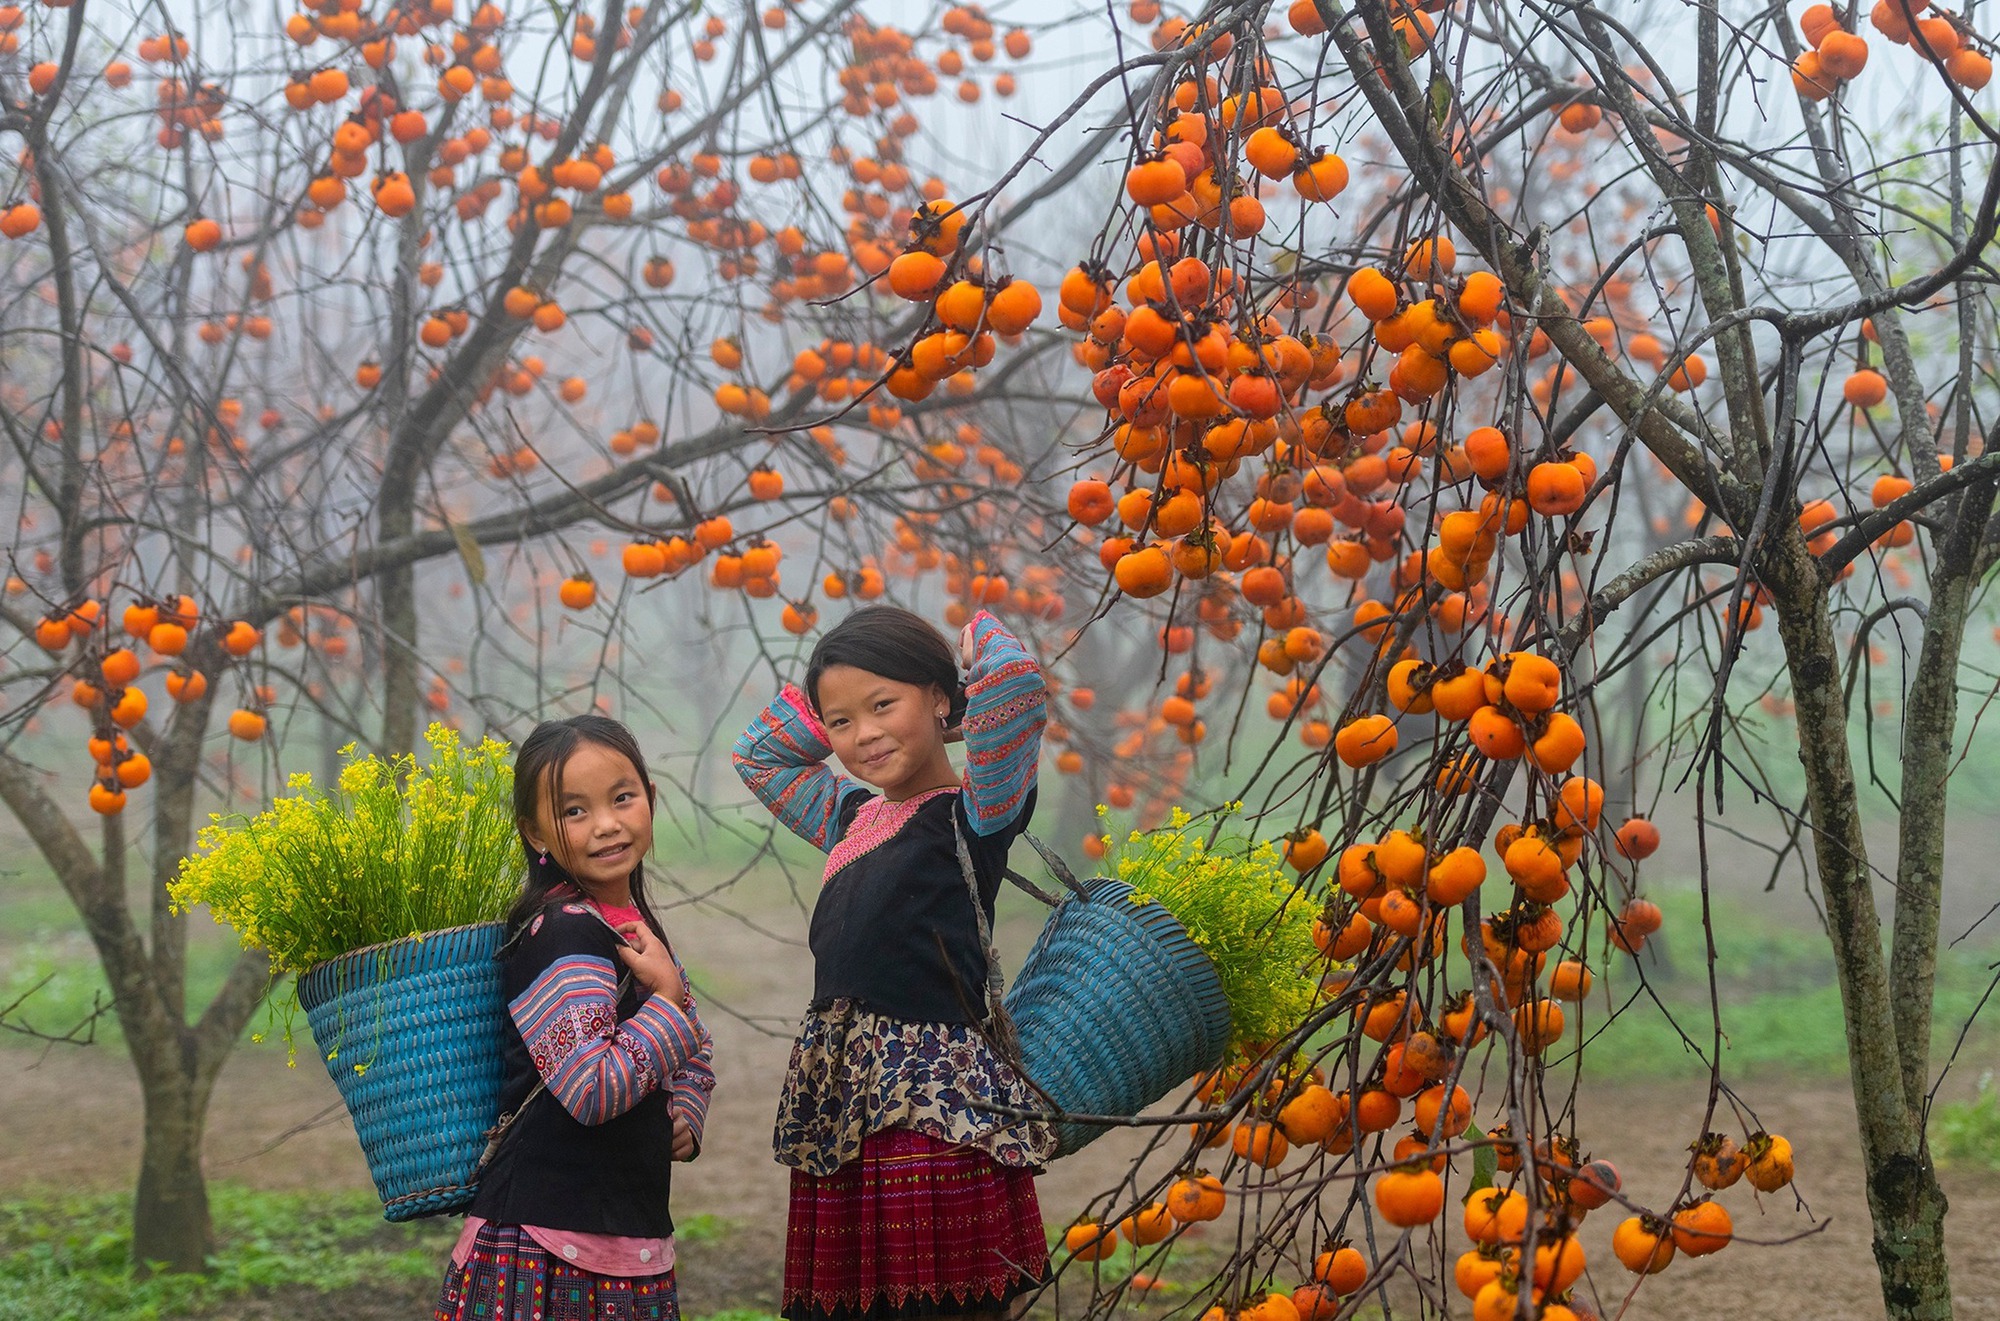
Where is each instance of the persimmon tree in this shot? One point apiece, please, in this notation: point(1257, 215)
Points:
point(1619, 336)
point(1552, 352)
point(333, 352)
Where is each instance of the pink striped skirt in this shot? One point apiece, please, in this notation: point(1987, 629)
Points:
point(915, 1227)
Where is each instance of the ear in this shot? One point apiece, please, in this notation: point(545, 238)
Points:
point(529, 834)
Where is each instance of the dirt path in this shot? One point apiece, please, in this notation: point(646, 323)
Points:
point(72, 1121)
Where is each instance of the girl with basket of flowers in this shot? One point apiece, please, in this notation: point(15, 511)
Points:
point(571, 1221)
point(906, 1199)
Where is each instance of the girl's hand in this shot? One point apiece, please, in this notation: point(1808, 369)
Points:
point(646, 955)
point(965, 647)
point(683, 1142)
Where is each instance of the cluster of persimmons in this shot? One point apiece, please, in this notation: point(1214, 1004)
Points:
point(108, 670)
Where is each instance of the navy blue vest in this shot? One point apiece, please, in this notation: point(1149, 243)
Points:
point(552, 1171)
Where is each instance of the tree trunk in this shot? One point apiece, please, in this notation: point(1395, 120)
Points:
point(1904, 1200)
point(397, 593)
point(1908, 1208)
point(170, 1222)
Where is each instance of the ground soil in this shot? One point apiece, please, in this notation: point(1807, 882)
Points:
point(73, 1122)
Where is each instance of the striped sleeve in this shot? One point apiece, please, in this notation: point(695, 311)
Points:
point(1006, 708)
point(782, 758)
point(594, 1065)
point(694, 1081)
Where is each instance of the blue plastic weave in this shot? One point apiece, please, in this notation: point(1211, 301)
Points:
point(414, 1029)
point(1115, 1007)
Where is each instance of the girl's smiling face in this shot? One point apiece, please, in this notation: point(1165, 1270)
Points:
point(599, 825)
point(886, 733)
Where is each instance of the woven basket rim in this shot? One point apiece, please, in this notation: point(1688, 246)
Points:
point(400, 940)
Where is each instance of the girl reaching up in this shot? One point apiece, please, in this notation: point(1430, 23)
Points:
point(907, 1200)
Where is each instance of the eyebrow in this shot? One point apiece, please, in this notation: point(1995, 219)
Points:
point(871, 694)
point(622, 782)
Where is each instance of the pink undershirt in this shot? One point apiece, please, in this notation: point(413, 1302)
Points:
point(604, 1254)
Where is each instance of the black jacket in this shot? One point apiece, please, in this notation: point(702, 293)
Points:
point(894, 928)
point(553, 1170)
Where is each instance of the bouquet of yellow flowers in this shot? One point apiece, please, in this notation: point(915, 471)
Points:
point(1242, 910)
point(393, 849)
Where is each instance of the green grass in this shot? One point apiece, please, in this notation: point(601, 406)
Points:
point(1967, 1133)
point(1779, 999)
point(65, 1256)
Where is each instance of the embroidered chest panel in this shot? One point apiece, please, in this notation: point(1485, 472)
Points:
point(875, 822)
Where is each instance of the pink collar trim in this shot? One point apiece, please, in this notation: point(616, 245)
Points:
point(876, 822)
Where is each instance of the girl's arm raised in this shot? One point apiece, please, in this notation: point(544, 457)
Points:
point(1006, 708)
point(782, 758)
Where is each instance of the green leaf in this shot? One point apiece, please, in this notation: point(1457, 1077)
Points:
point(468, 550)
point(1485, 1164)
point(1440, 98)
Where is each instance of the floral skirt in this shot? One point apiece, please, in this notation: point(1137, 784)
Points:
point(507, 1276)
point(854, 1072)
point(915, 1227)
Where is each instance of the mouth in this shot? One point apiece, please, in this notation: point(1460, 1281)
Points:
point(613, 853)
point(878, 758)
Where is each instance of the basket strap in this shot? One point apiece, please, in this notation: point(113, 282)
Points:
point(1057, 866)
point(1031, 888)
point(996, 979)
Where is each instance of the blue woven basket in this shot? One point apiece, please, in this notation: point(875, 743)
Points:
point(1115, 1007)
point(414, 1031)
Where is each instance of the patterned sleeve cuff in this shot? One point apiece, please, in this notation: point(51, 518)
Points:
point(795, 697)
point(984, 625)
point(1006, 710)
point(691, 1110)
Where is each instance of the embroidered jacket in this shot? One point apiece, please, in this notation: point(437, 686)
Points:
point(893, 930)
point(899, 978)
point(594, 1155)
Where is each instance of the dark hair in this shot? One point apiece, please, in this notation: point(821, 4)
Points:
point(890, 641)
point(538, 768)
